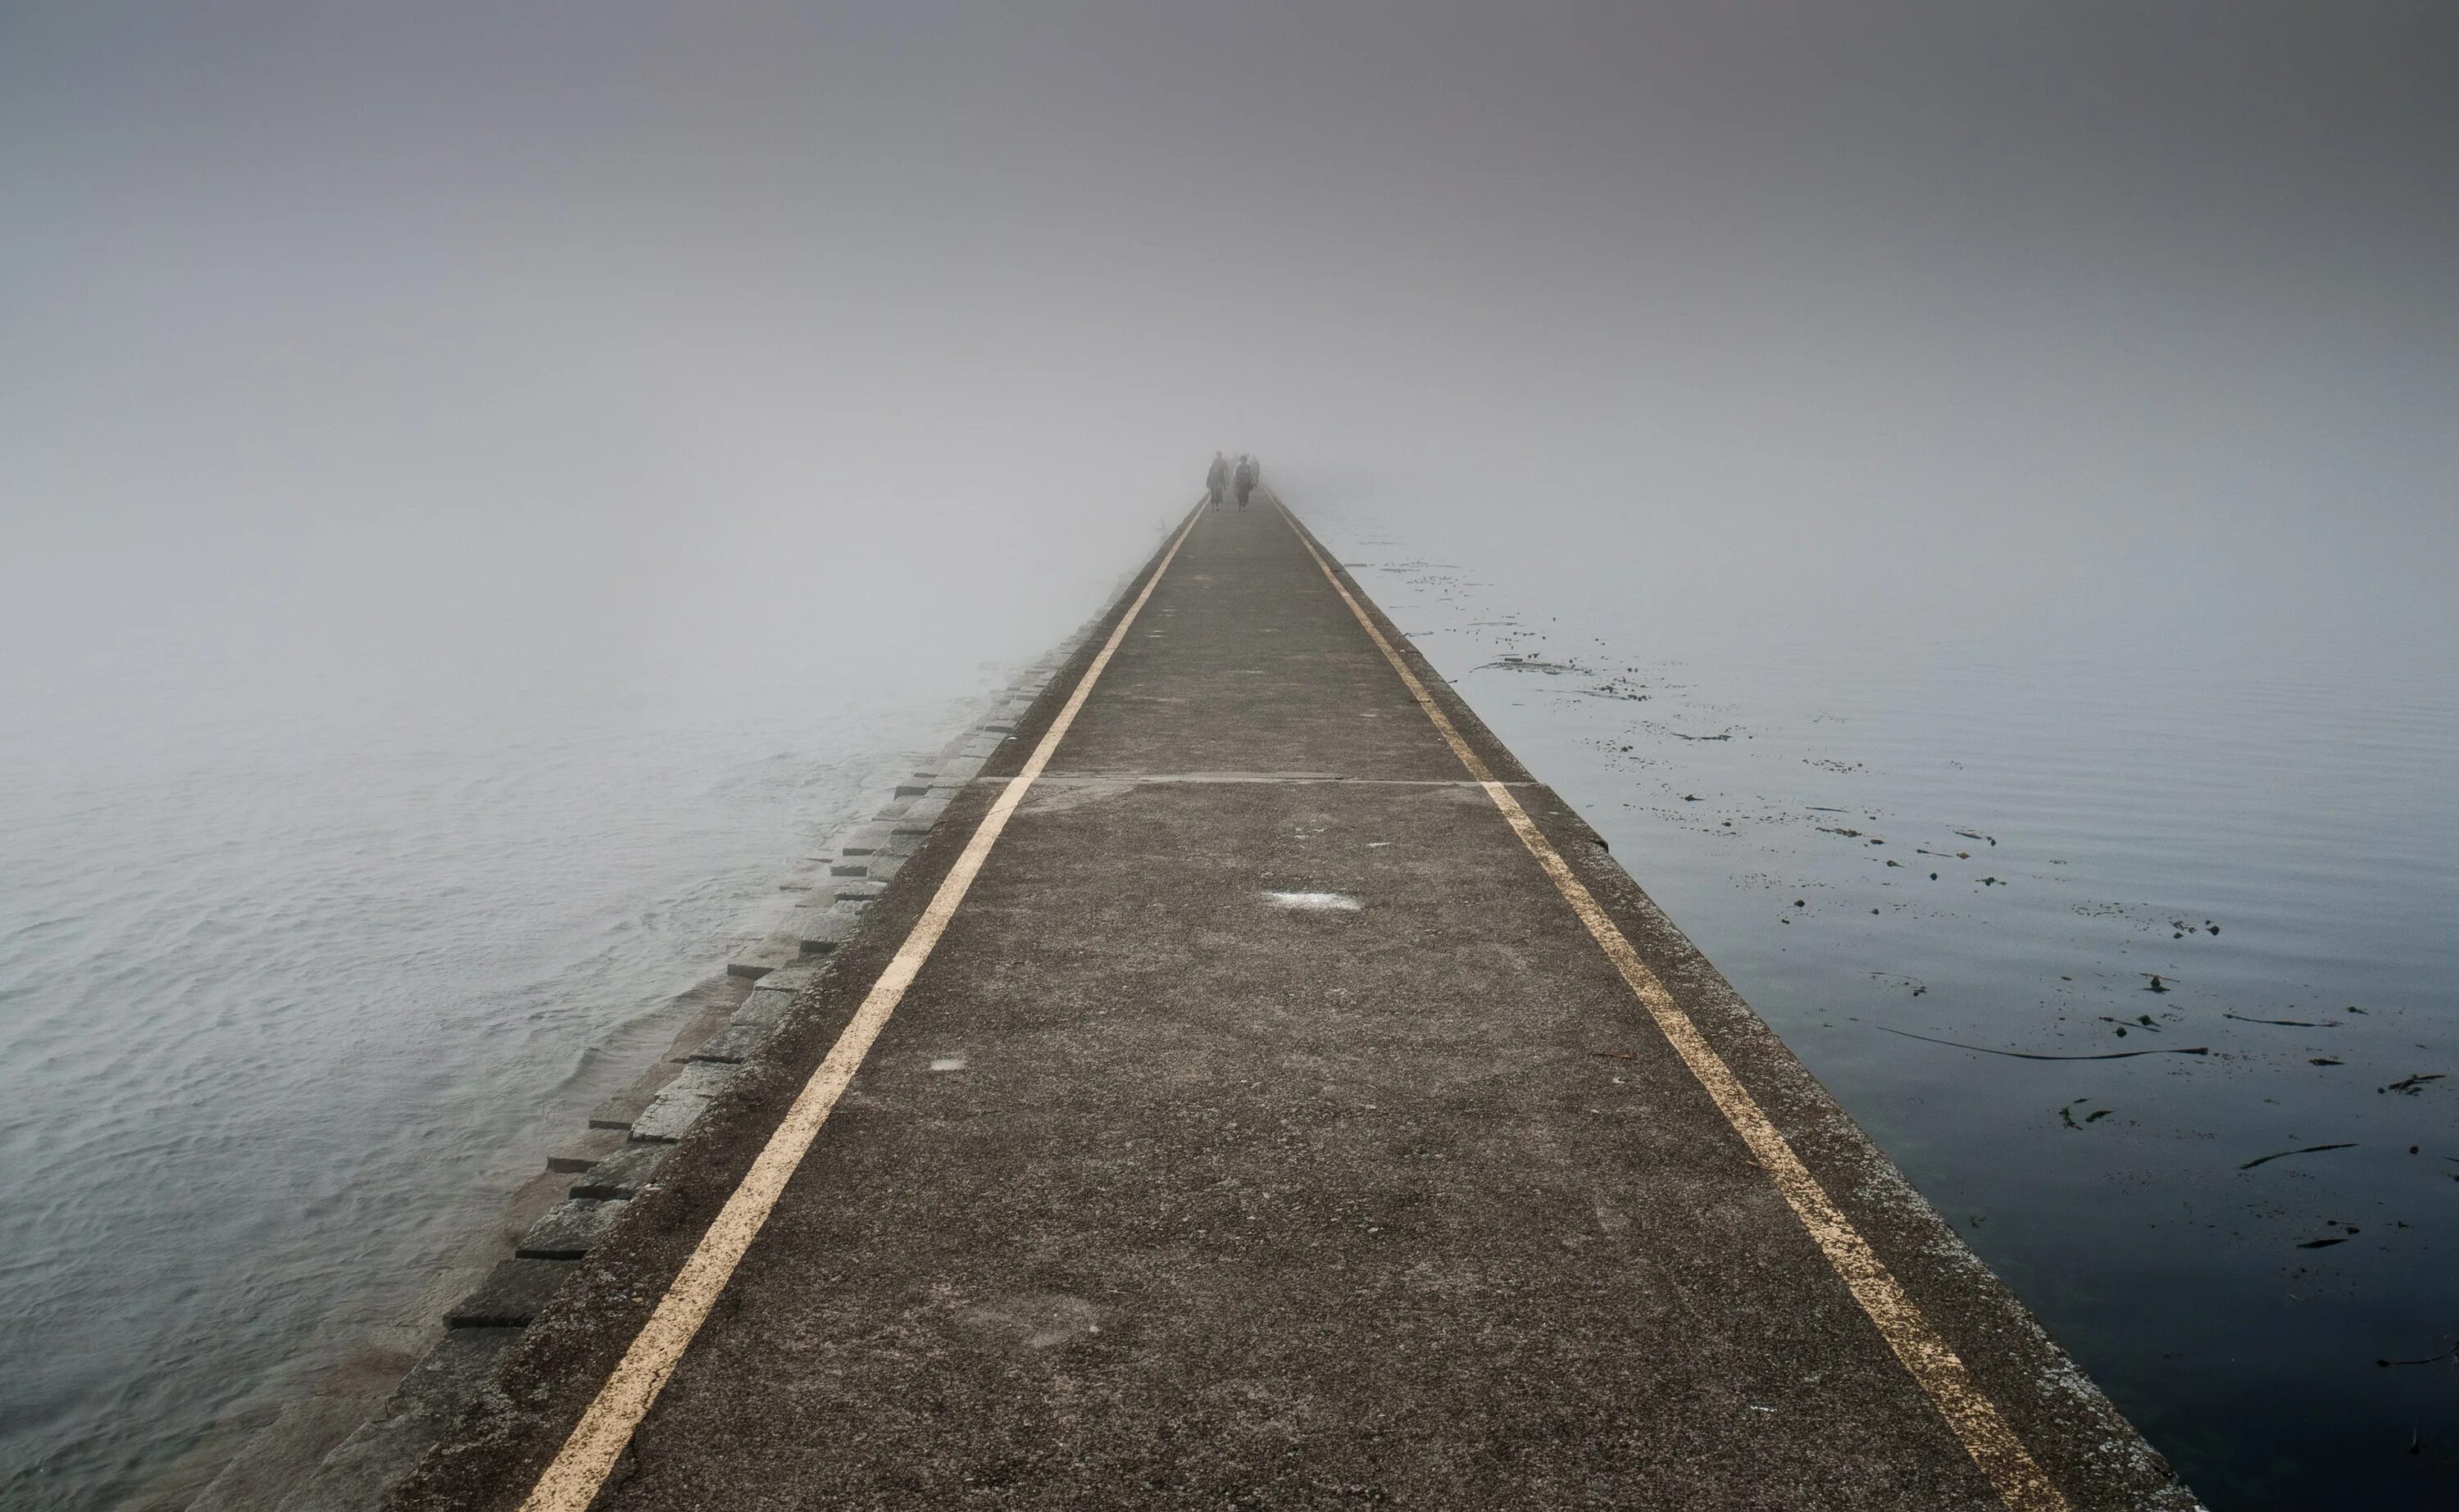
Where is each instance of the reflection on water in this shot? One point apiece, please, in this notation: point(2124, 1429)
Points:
point(2242, 859)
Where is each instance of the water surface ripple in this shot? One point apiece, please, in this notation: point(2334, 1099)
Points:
point(298, 981)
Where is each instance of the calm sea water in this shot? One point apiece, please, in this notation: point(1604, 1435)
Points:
point(1882, 828)
point(301, 971)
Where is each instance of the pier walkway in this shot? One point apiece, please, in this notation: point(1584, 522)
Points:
point(1260, 1092)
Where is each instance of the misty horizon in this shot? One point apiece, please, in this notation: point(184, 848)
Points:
point(482, 490)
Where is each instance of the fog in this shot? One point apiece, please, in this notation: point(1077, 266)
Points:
point(553, 331)
point(483, 488)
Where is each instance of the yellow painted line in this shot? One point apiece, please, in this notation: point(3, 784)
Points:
point(2018, 1479)
point(580, 1469)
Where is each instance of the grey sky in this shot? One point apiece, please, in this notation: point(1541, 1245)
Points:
point(318, 315)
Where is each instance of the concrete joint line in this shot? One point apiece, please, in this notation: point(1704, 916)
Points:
point(1974, 1419)
point(1254, 779)
point(574, 1477)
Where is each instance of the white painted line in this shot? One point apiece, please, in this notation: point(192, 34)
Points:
point(2017, 1478)
point(578, 1470)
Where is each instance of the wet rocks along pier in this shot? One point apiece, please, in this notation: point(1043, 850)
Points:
point(1254, 1088)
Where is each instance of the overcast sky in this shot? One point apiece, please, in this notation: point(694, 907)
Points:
point(387, 316)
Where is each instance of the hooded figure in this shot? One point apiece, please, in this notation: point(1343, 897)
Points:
point(1248, 473)
point(1215, 477)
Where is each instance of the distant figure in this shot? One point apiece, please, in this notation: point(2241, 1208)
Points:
point(1215, 477)
point(1247, 475)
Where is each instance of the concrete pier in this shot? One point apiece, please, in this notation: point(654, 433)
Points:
point(1256, 1090)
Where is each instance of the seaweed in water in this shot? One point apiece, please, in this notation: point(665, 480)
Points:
point(2310, 1149)
point(2452, 1353)
point(2035, 1054)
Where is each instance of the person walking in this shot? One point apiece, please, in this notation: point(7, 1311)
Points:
point(1215, 477)
point(1248, 472)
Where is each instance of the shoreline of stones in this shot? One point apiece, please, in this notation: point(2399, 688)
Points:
point(631, 1133)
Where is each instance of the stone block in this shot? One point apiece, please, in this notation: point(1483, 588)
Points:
point(617, 1113)
point(823, 929)
point(570, 1229)
point(585, 1152)
point(684, 1098)
point(513, 1292)
point(866, 840)
point(789, 979)
point(851, 866)
point(735, 1044)
point(780, 949)
point(623, 1174)
point(764, 1011)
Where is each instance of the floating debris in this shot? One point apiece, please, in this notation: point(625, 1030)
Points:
point(2158, 985)
point(1975, 834)
point(2310, 1149)
point(2452, 1353)
point(1521, 663)
point(2035, 1054)
point(2289, 1023)
point(2322, 1244)
point(2411, 1085)
point(2325, 1060)
point(1621, 688)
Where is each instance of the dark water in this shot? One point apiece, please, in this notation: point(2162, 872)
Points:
point(2272, 829)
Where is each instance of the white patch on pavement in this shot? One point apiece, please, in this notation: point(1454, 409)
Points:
point(1318, 902)
point(949, 1063)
